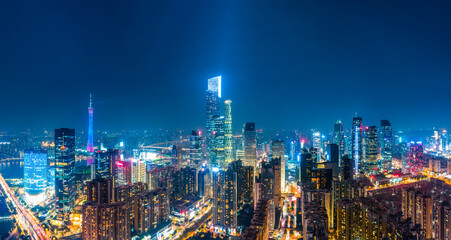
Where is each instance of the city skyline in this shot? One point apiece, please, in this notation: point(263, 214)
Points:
point(311, 59)
point(221, 120)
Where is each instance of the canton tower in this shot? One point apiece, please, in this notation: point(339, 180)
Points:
point(90, 147)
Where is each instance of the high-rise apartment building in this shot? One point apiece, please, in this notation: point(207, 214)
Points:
point(245, 182)
point(183, 183)
point(151, 210)
point(105, 221)
point(224, 199)
point(278, 151)
point(138, 170)
point(100, 190)
point(64, 173)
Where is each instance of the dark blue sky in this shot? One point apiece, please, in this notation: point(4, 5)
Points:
point(285, 64)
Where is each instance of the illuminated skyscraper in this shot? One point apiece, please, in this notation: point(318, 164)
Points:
point(339, 138)
point(228, 132)
point(370, 149)
point(316, 141)
point(217, 154)
point(90, 147)
point(35, 175)
point(386, 145)
point(444, 139)
point(278, 151)
point(195, 151)
point(357, 143)
point(138, 171)
point(213, 109)
point(250, 145)
point(214, 85)
point(64, 172)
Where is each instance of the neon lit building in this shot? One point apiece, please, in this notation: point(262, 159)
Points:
point(415, 158)
point(386, 145)
point(357, 143)
point(90, 147)
point(35, 175)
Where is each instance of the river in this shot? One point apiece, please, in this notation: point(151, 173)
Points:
point(8, 170)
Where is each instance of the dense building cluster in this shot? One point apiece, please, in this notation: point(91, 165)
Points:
point(366, 182)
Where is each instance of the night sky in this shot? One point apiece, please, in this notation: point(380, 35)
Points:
point(284, 64)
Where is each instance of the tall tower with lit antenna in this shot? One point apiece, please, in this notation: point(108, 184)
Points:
point(90, 147)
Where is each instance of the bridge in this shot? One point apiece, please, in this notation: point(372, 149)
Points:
point(167, 145)
point(6, 219)
point(24, 217)
point(7, 160)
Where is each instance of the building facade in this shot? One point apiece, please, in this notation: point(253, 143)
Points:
point(64, 173)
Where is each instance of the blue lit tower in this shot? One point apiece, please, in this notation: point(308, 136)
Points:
point(386, 145)
point(90, 147)
point(339, 138)
point(35, 175)
point(64, 173)
point(357, 143)
point(213, 109)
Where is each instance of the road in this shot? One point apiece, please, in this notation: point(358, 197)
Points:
point(193, 225)
point(24, 217)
